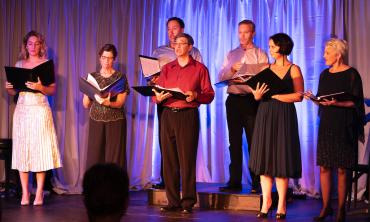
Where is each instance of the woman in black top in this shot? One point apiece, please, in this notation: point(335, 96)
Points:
point(341, 124)
point(275, 153)
point(107, 125)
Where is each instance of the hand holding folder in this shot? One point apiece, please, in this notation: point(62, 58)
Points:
point(273, 82)
point(340, 96)
point(149, 66)
point(19, 76)
point(148, 91)
point(90, 87)
point(245, 72)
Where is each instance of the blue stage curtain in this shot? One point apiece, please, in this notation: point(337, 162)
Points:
point(76, 29)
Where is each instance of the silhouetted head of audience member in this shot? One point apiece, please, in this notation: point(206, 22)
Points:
point(105, 192)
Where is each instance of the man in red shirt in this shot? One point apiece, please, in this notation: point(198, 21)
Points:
point(180, 122)
point(165, 54)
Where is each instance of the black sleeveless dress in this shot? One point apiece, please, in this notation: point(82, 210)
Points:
point(275, 147)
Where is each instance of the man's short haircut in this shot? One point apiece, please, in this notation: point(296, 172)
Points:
point(178, 20)
point(284, 42)
point(187, 36)
point(248, 22)
point(105, 190)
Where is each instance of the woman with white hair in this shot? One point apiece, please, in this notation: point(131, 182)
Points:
point(341, 125)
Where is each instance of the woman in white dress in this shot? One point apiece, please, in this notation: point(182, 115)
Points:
point(35, 145)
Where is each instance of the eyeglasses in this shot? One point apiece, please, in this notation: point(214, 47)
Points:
point(181, 43)
point(106, 58)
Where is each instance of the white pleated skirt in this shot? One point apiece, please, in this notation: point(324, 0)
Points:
point(35, 144)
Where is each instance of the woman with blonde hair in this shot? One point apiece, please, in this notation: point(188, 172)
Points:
point(341, 124)
point(35, 145)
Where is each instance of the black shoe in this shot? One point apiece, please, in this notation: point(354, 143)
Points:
point(187, 210)
point(262, 215)
point(341, 217)
point(326, 212)
point(158, 186)
point(280, 216)
point(229, 188)
point(256, 190)
point(170, 209)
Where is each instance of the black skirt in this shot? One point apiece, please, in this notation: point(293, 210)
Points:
point(275, 147)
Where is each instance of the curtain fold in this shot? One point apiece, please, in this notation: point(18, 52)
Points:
point(76, 29)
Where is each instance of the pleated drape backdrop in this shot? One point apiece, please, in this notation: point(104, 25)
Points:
point(76, 29)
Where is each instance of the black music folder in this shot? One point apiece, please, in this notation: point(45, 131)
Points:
point(149, 66)
point(90, 86)
point(244, 74)
point(340, 96)
point(148, 91)
point(19, 76)
point(274, 83)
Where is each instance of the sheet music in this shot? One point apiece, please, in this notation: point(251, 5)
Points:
point(150, 66)
point(93, 81)
point(170, 89)
point(249, 70)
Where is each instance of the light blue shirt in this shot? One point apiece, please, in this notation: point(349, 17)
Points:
point(252, 55)
point(166, 54)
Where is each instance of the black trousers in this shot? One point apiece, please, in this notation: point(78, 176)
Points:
point(241, 114)
point(107, 143)
point(179, 136)
point(159, 114)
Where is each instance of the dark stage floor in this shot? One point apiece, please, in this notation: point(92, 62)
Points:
point(70, 208)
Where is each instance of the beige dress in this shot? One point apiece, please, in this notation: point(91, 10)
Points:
point(35, 144)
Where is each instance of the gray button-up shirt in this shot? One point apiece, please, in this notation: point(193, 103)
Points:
point(166, 54)
point(248, 56)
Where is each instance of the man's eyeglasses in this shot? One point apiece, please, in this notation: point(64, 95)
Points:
point(106, 58)
point(181, 43)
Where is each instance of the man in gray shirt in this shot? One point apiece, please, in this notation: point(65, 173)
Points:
point(241, 108)
point(166, 54)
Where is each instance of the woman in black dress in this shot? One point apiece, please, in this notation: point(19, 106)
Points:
point(276, 149)
point(107, 125)
point(341, 124)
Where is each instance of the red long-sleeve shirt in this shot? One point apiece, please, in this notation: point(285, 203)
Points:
point(193, 76)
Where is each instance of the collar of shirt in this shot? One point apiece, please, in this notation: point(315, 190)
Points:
point(175, 64)
point(241, 48)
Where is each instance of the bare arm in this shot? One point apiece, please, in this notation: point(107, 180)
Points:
point(46, 90)
point(9, 88)
point(298, 85)
point(86, 101)
point(347, 104)
point(120, 101)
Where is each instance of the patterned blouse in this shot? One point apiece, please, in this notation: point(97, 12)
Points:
point(99, 112)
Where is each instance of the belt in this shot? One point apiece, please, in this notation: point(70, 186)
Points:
point(240, 95)
point(177, 109)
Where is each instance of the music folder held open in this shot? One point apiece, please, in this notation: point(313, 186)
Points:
point(245, 72)
point(90, 86)
point(149, 66)
point(340, 96)
point(19, 76)
point(274, 83)
point(148, 91)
